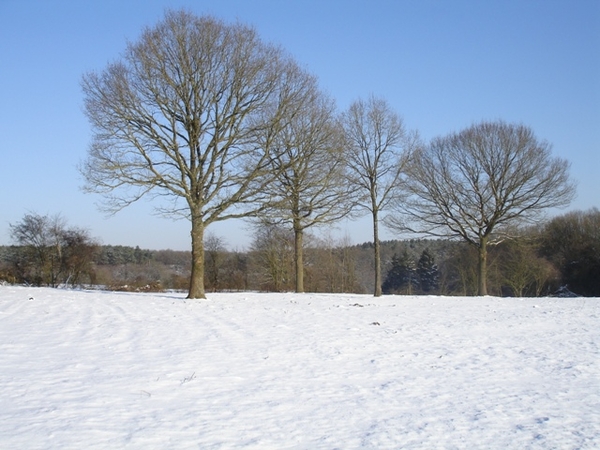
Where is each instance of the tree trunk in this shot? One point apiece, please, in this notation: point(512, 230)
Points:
point(482, 268)
point(197, 276)
point(299, 257)
point(376, 245)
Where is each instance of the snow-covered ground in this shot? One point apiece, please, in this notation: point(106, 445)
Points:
point(83, 369)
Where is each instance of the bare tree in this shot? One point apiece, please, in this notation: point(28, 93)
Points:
point(333, 265)
point(215, 254)
point(378, 148)
point(51, 252)
point(473, 184)
point(78, 254)
point(310, 188)
point(272, 249)
point(187, 114)
point(42, 238)
point(523, 271)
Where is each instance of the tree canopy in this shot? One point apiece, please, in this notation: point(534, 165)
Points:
point(476, 183)
point(188, 114)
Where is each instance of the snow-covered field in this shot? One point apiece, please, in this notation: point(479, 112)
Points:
point(83, 369)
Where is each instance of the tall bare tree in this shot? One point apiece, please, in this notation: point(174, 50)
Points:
point(473, 184)
point(188, 113)
point(378, 147)
point(310, 188)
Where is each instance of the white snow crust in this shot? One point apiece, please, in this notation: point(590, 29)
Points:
point(97, 370)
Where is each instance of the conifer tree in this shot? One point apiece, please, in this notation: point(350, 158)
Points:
point(427, 273)
point(401, 278)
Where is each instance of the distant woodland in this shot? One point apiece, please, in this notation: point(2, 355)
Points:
point(560, 257)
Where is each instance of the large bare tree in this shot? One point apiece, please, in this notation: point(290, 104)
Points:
point(378, 147)
point(310, 188)
point(188, 113)
point(473, 184)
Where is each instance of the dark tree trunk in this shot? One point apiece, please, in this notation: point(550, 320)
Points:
point(482, 267)
point(377, 247)
point(197, 276)
point(299, 257)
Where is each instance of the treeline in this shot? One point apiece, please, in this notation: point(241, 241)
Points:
point(560, 256)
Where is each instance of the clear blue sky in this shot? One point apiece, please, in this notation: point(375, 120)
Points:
point(442, 65)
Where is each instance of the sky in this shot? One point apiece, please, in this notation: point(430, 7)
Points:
point(441, 65)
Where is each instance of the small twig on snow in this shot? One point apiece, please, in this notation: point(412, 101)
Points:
point(190, 378)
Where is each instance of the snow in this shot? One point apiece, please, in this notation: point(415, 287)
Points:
point(90, 369)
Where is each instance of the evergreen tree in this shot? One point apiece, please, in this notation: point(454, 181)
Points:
point(401, 278)
point(427, 273)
